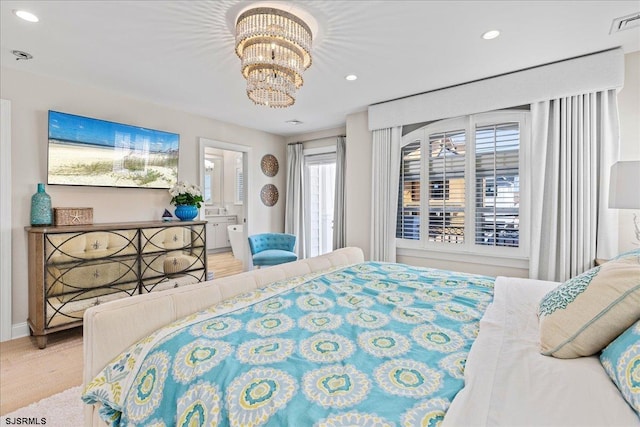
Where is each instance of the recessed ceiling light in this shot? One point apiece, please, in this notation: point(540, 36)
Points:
point(294, 122)
point(351, 77)
point(492, 34)
point(27, 16)
point(22, 55)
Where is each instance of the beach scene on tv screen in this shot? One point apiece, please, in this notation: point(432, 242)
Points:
point(86, 151)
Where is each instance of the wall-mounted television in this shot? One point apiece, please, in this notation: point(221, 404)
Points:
point(86, 151)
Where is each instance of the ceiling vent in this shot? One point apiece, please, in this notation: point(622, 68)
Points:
point(625, 23)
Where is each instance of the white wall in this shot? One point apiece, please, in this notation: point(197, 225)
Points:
point(359, 142)
point(358, 182)
point(5, 220)
point(629, 110)
point(32, 96)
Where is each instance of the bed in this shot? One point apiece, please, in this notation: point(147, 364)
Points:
point(334, 340)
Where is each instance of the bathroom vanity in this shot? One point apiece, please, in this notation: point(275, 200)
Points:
point(217, 234)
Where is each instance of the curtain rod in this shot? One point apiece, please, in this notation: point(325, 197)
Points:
point(316, 139)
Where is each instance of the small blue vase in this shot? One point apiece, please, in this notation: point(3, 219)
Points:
point(186, 212)
point(41, 212)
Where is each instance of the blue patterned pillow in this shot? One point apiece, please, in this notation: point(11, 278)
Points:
point(621, 360)
point(584, 314)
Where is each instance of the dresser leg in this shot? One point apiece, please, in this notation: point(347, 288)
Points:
point(41, 340)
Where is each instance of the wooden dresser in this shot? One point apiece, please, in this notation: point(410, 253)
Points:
point(72, 268)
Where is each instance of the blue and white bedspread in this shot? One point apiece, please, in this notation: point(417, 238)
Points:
point(373, 344)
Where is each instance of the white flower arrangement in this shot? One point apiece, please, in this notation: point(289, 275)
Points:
point(183, 193)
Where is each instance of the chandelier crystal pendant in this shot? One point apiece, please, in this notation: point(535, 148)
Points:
point(274, 47)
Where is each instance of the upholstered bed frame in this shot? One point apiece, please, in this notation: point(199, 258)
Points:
point(112, 327)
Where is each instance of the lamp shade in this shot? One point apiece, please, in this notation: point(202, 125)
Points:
point(624, 190)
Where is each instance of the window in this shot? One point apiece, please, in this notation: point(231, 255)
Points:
point(460, 183)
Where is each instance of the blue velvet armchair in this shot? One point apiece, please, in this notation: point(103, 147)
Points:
point(272, 248)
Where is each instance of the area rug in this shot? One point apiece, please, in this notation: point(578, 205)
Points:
point(60, 410)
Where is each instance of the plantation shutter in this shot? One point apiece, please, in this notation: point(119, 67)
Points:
point(239, 186)
point(497, 184)
point(446, 186)
point(408, 224)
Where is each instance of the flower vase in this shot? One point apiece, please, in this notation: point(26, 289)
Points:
point(41, 212)
point(186, 212)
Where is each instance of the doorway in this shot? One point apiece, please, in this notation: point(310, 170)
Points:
point(224, 177)
point(319, 196)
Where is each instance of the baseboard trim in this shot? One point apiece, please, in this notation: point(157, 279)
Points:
point(20, 330)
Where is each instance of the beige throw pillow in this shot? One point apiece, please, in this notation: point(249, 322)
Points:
point(583, 315)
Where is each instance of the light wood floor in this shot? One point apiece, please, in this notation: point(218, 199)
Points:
point(28, 374)
point(223, 264)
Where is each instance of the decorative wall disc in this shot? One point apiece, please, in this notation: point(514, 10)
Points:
point(269, 165)
point(269, 195)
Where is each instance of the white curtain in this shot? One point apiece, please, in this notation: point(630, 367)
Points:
point(575, 142)
point(384, 199)
point(294, 210)
point(339, 232)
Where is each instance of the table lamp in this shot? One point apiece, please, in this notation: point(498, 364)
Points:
point(624, 189)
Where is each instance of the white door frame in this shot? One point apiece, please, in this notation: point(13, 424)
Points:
point(246, 206)
point(5, 220)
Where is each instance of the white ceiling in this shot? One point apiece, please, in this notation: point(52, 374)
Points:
point(181, 53)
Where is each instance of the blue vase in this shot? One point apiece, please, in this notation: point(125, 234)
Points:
point(41, 213)
point(186, 212)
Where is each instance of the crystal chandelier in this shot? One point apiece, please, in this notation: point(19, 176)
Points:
point(275, 48)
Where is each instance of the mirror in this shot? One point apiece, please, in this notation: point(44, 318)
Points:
point(213, 179)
